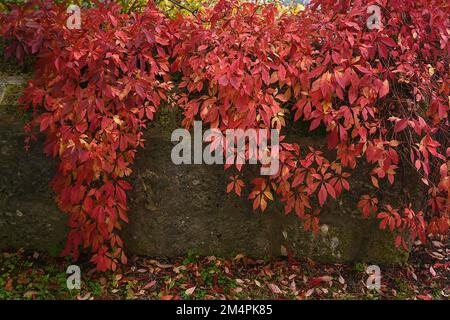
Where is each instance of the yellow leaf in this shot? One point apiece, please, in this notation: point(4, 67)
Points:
point(268, 195)
point(240, 256)
point(190, 291)
point(394, 143)
point(326, 106)
point(117, 120)
point(374, 181)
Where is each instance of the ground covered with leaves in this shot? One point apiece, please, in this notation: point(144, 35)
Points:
point(34, 275)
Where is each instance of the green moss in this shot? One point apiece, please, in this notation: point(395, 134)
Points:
point(360, 267)
point(167, 118)
point(10, 66)
point(9, 106)
point(11, 94)
point(403, 289)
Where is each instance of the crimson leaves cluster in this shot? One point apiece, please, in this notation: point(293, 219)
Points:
point(382, 96)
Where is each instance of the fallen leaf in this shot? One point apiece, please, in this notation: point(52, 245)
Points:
point(275, 289)
point(293, 286)
point(437, 255)
point(433, 273)
point(240, 256)
point(424, 297)
point(437, 244)
point(149, 285)
point(164, 266)
point(179, 269)
point(85, 297)
point(190, 291)
point(30, 294)
point(237, 290)
point(315, 281)
point(327, 278)
point(305, 279)
point(309, 292)
point(103, 281)
point(9, 285)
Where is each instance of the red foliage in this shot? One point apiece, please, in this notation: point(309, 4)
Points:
point(381, 95)
point(94, 91)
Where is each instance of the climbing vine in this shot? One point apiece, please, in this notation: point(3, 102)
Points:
point(94, 91)
point(381, 96)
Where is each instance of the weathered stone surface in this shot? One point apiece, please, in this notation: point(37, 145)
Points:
point(176, 209)
point(28, 216)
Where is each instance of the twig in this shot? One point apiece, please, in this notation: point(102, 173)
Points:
point(5, 5)
point(193, 12)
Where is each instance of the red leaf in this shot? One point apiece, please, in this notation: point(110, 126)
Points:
point(384, 89)
point(388, 41)
point(401, 125)
point(352, 94)
point(281, 72)
point(322, 195)
point(274, 288)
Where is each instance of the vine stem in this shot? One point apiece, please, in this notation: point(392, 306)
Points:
point(3, 2)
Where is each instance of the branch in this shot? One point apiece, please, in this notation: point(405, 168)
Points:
point(193, 12)
point(3, 2)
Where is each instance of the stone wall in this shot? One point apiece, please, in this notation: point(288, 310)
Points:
point(176, 209)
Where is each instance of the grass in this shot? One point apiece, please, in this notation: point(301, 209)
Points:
point(33, 275)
